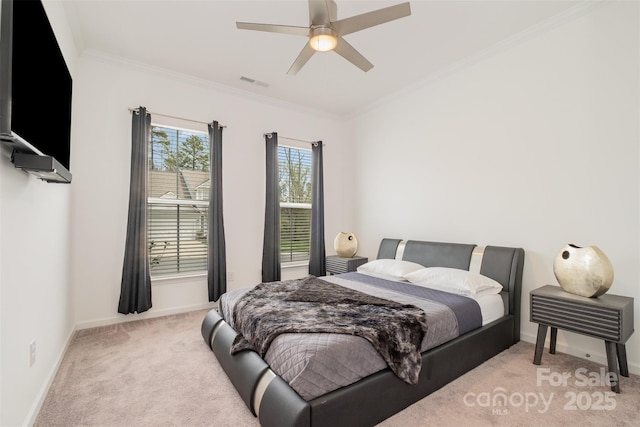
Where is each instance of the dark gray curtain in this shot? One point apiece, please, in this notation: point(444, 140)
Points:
point(271, 244)
point(135, 291)
point(317, 259)
point(217, 274)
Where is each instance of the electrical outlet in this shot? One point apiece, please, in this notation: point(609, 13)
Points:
point(32, 353)
point(230, 276)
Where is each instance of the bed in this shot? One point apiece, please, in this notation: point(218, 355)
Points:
point(380, 394)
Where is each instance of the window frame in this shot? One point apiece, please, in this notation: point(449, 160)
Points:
point(294, 205)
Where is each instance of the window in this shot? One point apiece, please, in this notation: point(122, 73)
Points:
point(295, 203)
point(178, 200)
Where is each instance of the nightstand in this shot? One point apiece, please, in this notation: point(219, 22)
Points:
point(608, 317)
point(337, 264)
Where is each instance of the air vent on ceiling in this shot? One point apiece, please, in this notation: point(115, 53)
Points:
point(253, 81)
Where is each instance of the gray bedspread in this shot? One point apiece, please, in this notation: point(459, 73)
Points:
point(313, 305)
point(315, 363)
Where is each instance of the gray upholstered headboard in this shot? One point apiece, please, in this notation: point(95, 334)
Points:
point(497, 262)
point(388, 248)
point(502, 264)
point(436, 254)
point(429, 254)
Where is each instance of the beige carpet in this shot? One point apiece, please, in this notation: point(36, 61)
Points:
point(159, 372)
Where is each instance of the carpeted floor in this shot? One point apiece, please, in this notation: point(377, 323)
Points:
point(160, 372)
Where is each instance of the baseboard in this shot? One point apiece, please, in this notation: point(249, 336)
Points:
point(42, 394)
point(597, 357)
point(121, 318)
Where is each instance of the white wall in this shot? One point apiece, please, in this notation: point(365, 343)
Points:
point(35, 290)
point(105, 91)
point(536, 147)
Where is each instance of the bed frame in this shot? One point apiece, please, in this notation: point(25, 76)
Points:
point(382, 394)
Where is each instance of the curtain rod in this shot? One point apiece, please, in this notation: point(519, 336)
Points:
point(293, 139)
point(175, 117)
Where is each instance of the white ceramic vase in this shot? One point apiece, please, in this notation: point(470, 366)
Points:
point(346, 245)
point(584, 271)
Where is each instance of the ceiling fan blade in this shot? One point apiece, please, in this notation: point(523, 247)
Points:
point(305, 54)
point(348, 52)
point(270, 28)
point(370, 19)
point(322, 12)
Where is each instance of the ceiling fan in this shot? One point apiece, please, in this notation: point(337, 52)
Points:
point(325, 31)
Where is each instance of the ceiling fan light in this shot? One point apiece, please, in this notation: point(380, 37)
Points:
point(323, 42)
point(323, 39)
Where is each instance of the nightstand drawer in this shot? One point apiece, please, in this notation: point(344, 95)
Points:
point(337, 265)
point(598, 322)
point(608, 317)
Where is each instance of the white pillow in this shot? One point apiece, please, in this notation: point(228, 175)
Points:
point(390, 269)
point(455, 281)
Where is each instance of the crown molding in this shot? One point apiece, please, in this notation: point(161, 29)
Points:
point(98, 56)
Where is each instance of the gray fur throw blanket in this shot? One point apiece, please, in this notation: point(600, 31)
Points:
point(313, 305)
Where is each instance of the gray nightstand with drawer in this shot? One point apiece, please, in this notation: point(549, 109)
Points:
point(608, 317)
point(337, 264)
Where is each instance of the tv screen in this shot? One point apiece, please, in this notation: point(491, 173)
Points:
point(39, 101)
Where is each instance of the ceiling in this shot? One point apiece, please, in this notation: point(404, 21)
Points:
point(199, 39)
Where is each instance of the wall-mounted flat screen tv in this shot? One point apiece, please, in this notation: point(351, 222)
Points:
point(35, 85)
